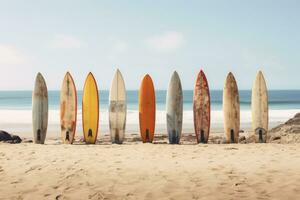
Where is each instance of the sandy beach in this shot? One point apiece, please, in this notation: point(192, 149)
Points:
point(149, 171)
point(106, 76)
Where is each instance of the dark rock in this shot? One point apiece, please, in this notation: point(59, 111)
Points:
point(295, 130)
point(242, 138)
point(297, 115)
point(295, 120)
point(16, 139)
point(277, 137)
point(9, 138)
point(289, 132)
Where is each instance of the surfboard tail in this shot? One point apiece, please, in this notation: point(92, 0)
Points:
point(232, 139)
point(174, 137)
point(202, 137)
point(261, 135)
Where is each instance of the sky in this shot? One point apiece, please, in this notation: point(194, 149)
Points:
point(155, 37)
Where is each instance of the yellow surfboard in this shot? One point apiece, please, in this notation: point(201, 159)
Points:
point(90, 110)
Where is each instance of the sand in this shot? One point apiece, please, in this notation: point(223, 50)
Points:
point(149, 171)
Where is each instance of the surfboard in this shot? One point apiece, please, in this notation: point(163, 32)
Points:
point(117, 109)
point(201, 108)
point(174, 109)
point(40, 110)
point(259, 107)
point(68, 109)
point(147, 109)
point(231, 109)
point(90, 110)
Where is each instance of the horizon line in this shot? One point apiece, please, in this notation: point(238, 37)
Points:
point(55, 90)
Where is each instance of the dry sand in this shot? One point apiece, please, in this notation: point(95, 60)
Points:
point(149, 171)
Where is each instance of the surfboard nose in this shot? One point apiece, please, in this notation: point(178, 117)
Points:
point(175, 73)
point(117, 71)
point(39, 77)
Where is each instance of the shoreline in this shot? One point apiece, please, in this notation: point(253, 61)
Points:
point(25, 130)
point(19, 121)
point(135, 138)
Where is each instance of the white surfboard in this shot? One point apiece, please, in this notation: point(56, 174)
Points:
point(259, 107)
point(117, 109)
point(40, 109)
point(174, 109)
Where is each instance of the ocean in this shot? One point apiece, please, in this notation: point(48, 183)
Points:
point(15, 109)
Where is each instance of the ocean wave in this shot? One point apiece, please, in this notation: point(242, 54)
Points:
point(25, 116)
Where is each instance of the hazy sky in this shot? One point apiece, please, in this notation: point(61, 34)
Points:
point(154, 37)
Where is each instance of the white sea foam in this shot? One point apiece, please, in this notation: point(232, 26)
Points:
point(20, 120)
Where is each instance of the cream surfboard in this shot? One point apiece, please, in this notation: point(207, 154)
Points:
point(259, 107)
point(231, 109)
point(68, 109)
point(40, 109)
point(174, 109)
point(117, 109)
point(90, 110)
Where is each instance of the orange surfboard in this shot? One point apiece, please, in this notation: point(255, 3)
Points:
point(147, 109)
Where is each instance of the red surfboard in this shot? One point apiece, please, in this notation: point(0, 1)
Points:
point(201, 108)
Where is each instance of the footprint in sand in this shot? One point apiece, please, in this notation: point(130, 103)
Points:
point(38, 167)
point(231, 175)
point(67, 188)
point(15, 182)
point(149, 195)
point(55, 187)
point(77, 161)
point(97, 195)
point(259, 174)
point(269, 179)
point(46, 195)
point(240, 191)
point(273, 171)
point(223, 183)
point(70, 176)
point(217, 168)
point(296, 190)
point(169, 186)
point(264, 194)
point(196, 181)
point(231, 148)
point(58, 197)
